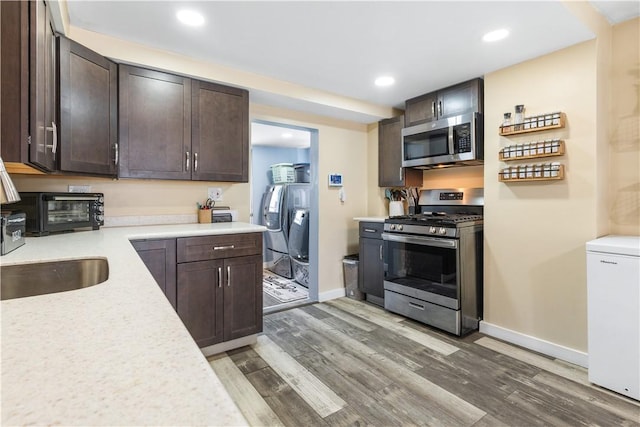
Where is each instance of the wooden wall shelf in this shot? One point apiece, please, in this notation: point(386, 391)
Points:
point(548, 152)
point(520, 128)
point(559, 176)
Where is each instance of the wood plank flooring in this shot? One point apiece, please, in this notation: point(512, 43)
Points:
point(345, 362)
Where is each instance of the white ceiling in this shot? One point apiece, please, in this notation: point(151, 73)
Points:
point(341, 47)
point(279, 136)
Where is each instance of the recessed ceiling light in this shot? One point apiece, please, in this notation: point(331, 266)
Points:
point(496, 35)
point(384, 81)
point(190, 17)
point(287, 135)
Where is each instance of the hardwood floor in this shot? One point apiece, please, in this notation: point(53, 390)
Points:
point(345, 362)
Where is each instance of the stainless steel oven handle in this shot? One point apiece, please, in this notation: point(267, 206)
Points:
point(421, 240)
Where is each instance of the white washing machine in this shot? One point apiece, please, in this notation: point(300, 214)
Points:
point(613, 292)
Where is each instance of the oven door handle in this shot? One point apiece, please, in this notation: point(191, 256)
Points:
point(421, 240)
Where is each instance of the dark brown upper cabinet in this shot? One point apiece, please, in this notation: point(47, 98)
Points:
point(451, 101)
point(28, 97)
point(88, 123)
point(155, 124)
point(220, 132)
point(173, 127)
point(390, 170)
point(44, 137)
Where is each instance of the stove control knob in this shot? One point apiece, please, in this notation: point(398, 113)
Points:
point(400, 227)
point(442, 231)
point(432, 230)
point(393, 227)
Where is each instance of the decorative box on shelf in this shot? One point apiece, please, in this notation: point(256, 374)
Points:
point(535, 124)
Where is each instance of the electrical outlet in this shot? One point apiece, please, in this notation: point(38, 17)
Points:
point(215, 194)
point(79, 189)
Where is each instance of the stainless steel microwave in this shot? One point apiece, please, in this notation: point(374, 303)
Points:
point(58, 212)
point(449, 142)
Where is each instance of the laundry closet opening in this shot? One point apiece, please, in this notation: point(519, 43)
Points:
point(284, 198)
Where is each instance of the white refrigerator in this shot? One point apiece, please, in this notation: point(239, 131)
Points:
point(613, 304)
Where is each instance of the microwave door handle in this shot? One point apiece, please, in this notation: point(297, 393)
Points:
point(451, 145)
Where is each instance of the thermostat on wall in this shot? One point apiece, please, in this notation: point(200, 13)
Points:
point(335, 180)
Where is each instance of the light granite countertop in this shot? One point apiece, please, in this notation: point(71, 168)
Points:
point(112, 354)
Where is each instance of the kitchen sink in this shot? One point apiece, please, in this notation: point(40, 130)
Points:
point(26, 280)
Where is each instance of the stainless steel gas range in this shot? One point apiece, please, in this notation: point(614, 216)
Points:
point(433, 260)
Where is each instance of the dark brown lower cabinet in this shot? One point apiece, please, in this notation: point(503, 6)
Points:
point(219, 286)
point(218, 300)
point(213, 282)
point(200, 300)
point(160, 258)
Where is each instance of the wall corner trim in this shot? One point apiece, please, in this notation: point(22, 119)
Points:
point(536, 344)
point(332, 294)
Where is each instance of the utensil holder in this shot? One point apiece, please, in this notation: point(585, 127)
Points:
point(204, 216)
point(396, 208)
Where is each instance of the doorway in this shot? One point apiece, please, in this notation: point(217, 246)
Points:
point(290, 263)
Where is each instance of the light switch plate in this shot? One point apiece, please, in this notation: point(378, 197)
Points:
point(214, 193)
point(79, 189)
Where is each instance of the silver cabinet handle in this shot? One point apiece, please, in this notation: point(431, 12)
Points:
point(55, 138)
point(400, 173)
point(187, 158)
point(195, 162)
point(219, 277)
point(439, 108)
point(433, 108)
point(54, 145)
point(220, 248)
point(380, 252)
point(369, 230)
point(116, 153)
point(228, 275)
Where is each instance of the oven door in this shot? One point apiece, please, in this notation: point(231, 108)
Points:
point(422, 267)
point(62, 213)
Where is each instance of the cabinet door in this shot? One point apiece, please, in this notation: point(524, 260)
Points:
point(159, 256)
point(200, 300)
point(220, 133)
point(155, 124)
point(390, 170)
point(42, 151)
point(371, 267)
point(242, 296)
point(421, 109)
point(88, 110)
point(460, 99)
point(14, 81)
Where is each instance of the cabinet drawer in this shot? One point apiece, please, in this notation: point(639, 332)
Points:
point(219, 246)
point(372, 230)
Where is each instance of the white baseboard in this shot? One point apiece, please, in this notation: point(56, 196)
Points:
point(536, 344)
point(332, 294)
point(229, 345)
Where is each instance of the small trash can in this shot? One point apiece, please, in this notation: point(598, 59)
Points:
point(350, 271)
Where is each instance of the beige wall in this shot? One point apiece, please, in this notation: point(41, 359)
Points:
point(535, 233)
point(624, 147)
